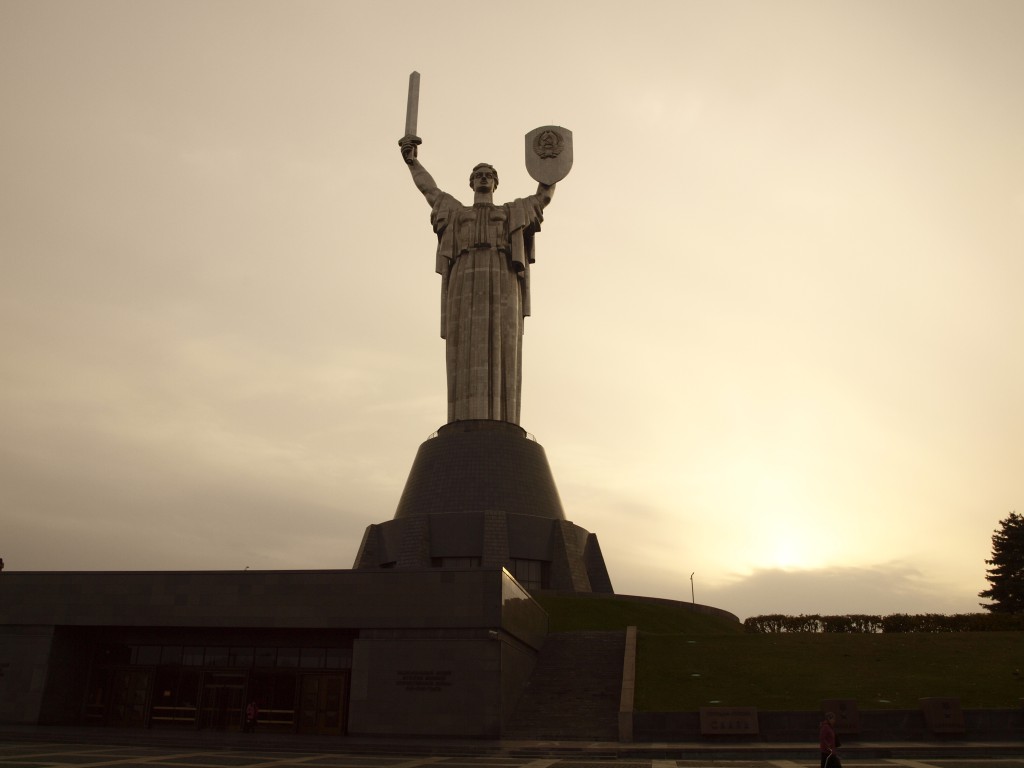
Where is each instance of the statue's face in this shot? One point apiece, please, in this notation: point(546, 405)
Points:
point(483, 180)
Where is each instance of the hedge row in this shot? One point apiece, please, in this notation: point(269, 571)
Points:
point(897, 622)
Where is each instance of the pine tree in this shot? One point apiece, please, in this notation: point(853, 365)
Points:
point(1006, 576)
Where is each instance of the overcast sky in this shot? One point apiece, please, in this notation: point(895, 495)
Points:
point(778, 326)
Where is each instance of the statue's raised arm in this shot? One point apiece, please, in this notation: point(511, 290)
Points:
point(424, 181)
point(545, 192)
point(420, 176)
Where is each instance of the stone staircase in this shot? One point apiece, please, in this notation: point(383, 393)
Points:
point(574, 690)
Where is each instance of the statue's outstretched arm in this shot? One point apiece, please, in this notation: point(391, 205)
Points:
point(545, 192)
point(420, 176)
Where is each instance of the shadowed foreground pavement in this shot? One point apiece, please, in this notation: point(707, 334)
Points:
point(45, 747)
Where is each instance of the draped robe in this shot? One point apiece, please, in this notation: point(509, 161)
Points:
point(484, 254)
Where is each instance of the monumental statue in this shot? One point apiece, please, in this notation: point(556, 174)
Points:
point(484, 253)
point(480, 493)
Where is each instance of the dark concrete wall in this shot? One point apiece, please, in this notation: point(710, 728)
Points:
point(517, 665)
point(307, 599)
point(422, 682)
point(426, 687)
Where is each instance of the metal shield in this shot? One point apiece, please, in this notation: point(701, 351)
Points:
point(549, 153)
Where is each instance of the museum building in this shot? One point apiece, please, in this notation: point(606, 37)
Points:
point(383, 652)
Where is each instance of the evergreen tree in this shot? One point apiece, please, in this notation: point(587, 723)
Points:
point(1006, 576)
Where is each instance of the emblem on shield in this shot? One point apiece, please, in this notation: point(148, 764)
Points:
point(549, 153)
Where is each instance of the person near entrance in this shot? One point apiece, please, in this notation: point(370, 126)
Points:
point(252, 713)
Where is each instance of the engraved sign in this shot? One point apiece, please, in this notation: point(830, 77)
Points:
point(943, 715)
point(549, 153)
point(424, 679)
point(729, 721)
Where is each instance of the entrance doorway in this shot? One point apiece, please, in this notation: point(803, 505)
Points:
point(221, 705)
point(322, 703)
point(129, 697)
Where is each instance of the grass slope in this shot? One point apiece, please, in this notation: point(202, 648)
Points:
point(687, 660)
point(571, 614)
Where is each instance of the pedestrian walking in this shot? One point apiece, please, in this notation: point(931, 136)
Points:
point(829, 742)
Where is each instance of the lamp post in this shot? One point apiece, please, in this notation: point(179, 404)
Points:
point(692, 598)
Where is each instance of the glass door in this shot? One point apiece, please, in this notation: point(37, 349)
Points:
point(221, 706)
point(129, 697)
point(321, 704)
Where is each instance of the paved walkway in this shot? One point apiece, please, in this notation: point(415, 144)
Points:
point(99, 748)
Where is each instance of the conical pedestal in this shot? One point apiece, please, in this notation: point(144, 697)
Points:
point(472, 466)
point(481, 494)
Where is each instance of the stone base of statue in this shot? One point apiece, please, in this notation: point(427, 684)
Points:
point(480, 495)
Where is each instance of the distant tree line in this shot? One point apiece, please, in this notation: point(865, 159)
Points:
point(897, 622)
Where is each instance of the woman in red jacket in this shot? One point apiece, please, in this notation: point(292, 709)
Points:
point(829, 742)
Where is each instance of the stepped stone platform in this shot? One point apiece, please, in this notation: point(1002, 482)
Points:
point(574, 690)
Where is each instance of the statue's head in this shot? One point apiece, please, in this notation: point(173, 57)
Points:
point(482, 171)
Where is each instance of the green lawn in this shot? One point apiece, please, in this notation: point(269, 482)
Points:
point(797, 671)
point(687, 660)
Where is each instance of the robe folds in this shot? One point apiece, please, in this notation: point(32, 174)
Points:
point(484, 254)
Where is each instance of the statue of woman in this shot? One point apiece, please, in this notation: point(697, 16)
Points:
point(484, 252)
